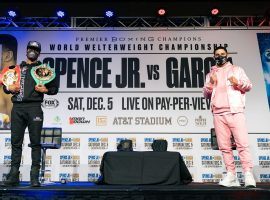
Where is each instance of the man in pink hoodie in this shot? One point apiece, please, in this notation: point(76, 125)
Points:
point(226, 85)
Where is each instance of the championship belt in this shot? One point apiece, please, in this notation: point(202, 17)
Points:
point(43, 74)
point(10, 75)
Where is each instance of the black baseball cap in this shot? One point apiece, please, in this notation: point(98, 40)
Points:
point(34, 45)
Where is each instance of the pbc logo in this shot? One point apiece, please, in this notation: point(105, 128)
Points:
point(50, 103)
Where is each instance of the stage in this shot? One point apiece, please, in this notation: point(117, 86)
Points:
point(87, 190)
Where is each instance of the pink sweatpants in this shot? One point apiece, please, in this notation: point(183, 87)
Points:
point(235, 124)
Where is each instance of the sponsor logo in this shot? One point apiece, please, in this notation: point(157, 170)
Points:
point(71, 143)
point(65, 176)
point(264, 161)
point(70, 160)
point(69, 177)
point(265, 178)
point(101, 121)
point(210, 177)
point(211, 161)
point(98, 143)
point(118, 140)
point(92, 177)
point(50, 103)
point(78, 120)
point(56, 120)
point(200, 121)
point(144, 121)
point(8, 143)
point(94, 160)
point(237, 162)
point(182, 120)
point(206, 143)
point(75, 177)
point(37, 119)
point(240, 177)
point(148, 142)
point(7, 161)
point(263, 143)
point(182, 143)
point(189, 161)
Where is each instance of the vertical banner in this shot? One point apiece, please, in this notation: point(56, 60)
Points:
point(264, 45)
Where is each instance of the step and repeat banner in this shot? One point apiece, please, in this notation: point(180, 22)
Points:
point(140, 85)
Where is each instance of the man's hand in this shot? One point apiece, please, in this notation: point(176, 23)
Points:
point(213, 79)
point(14, 88)
point(233, 81)
point(41, 88)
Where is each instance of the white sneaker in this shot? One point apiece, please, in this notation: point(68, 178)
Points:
point(249, 180)
point(230, 180)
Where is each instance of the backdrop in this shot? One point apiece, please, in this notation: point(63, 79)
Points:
point(142, 85)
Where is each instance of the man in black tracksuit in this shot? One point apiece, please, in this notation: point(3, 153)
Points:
point(26, 112)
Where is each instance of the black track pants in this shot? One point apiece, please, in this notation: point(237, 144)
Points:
point(22, 116)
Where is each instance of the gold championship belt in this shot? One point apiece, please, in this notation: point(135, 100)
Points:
point(42, 74)
point(10, 75)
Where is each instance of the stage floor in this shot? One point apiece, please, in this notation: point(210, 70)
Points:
point(86, 190)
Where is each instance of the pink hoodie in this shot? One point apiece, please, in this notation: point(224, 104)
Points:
point(236, 95)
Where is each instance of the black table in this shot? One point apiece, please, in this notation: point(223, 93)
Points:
point(154, 168)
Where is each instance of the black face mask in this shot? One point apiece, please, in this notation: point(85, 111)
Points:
point(220, 60)
point(32, 55)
